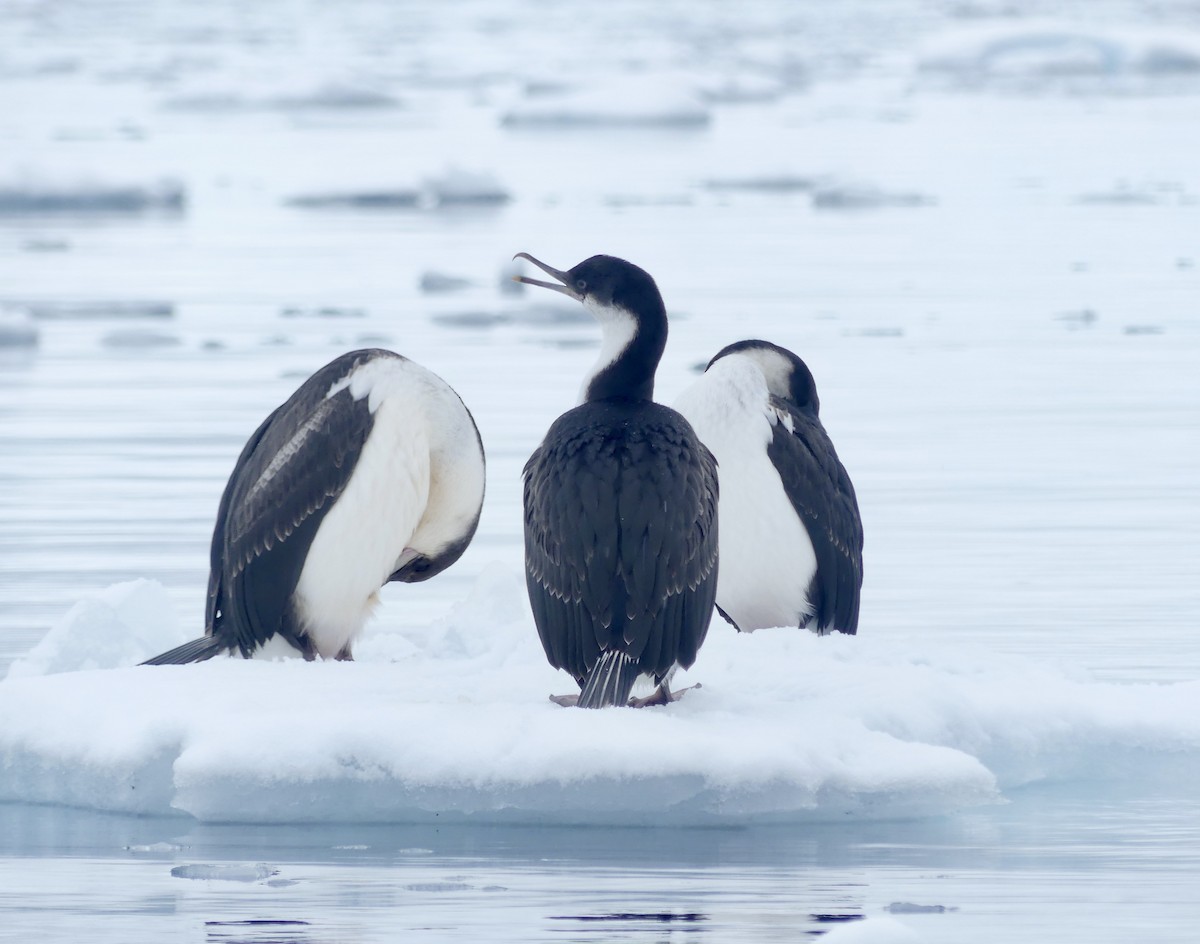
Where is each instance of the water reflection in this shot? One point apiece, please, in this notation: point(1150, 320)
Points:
point(1045, 854)
point(1065, 826)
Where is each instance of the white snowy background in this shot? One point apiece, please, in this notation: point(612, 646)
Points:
point(979, 223)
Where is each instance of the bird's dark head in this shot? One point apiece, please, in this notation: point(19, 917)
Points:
point(602, 282)
point(787, 376)
point(629, 307)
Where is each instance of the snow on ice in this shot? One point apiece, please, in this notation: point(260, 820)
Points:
point(452, 721)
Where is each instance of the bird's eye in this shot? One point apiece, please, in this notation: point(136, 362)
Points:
point(581, 284)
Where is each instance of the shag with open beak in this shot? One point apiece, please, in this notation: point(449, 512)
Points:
point(620, 507)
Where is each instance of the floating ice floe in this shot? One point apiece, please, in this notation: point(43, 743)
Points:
point(139, 339)
point(436, 283)
point(333, 96)
point(1080, 318)
point(17, 329)
point(457, 187)
point(1125, 193)
point(1025, 53)
point(452, 722)
point(451, 188)
point(765, 183)
point(740, 89)
point(372, 199)
point(633, 104)
point(156, 848)
point(908, 907)
point(322, 311)
point(28, 197)
point(825, 192)
point(621, 200)
point(1143, 329)
point(225, 873)
point(832, 195)
point(16, 66)
point(537, 315)
point(98, 310)
point(45, 244)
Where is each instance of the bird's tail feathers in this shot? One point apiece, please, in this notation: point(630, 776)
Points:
point(610, 681)
point(198, 650)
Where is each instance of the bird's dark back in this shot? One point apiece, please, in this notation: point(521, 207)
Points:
point(621, 535)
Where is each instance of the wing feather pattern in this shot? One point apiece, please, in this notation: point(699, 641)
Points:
point(821, 492)
point(289, 474)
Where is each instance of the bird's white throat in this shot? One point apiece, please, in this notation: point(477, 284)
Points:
point(619, 328)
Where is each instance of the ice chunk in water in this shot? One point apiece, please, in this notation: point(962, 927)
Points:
point(629, 104)
point(225, 873)
point(33, 197)
point(17, 329)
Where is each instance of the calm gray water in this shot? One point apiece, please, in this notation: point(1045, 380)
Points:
point(1047, 868)
point(992, 274)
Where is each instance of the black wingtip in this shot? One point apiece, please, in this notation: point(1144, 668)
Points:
point(729, 619)
point(198, 650)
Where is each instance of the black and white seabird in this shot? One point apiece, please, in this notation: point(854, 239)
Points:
point(791, 536)
point(620, 507)
point(372, 471)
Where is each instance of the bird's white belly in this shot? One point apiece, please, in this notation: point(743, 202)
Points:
point(767, 560)
point(361, 538)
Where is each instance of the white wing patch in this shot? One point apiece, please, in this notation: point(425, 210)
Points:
point(291, 447)
point(376, 380)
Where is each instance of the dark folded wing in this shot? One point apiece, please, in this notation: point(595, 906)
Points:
point(621, 541)
point(821, 492)
point(289, 474)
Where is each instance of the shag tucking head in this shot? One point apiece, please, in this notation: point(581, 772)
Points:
point(786, 375)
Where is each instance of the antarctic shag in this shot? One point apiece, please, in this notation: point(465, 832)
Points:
point(620, 507)
point(372, 471)
point(791, 536)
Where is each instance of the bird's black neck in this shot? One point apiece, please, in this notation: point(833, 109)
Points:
point(630, 373)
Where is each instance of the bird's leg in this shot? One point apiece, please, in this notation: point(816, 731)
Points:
point(345, 655)
point(661, 696)
point(304, 644)
point(567, 701)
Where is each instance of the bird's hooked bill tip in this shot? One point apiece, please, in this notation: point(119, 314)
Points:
point(562, 277)
point(526, 256)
